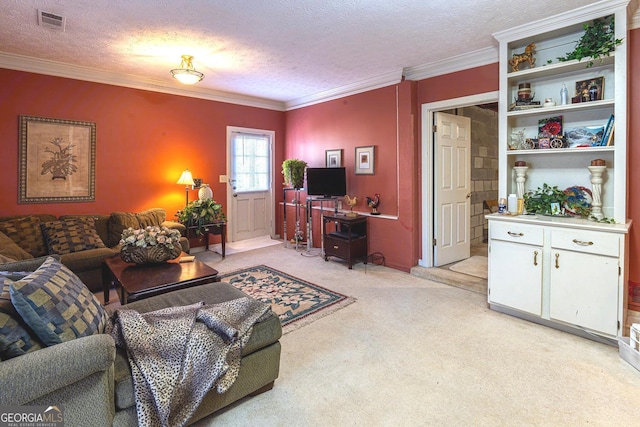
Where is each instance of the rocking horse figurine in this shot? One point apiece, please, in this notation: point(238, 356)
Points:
point(527, 56)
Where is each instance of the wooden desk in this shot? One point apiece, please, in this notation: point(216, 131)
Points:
point(214, 228)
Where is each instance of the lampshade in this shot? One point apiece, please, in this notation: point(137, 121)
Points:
point(187, 74)
point(186, 178)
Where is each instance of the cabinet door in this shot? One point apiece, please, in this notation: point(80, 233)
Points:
point(584, 290)
point(515, 276)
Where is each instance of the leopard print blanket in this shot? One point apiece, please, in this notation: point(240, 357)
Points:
point(178, 354)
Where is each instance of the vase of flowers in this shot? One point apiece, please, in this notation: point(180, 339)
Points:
point(150, 245)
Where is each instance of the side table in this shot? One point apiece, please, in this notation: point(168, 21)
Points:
point(215, 228)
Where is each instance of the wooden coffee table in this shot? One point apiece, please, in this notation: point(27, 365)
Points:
point(138, 281)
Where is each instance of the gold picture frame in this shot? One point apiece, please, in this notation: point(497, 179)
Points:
point(365, 160)
point(333, 158)
point(57, 160)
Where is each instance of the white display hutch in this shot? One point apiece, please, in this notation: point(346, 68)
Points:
point(569, 273)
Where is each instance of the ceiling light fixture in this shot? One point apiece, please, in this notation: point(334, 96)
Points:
point(186, 74)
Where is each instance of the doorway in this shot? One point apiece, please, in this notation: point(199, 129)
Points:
point(250, 196)
point(482, 110)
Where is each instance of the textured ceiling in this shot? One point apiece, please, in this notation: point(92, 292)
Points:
point(278, 50)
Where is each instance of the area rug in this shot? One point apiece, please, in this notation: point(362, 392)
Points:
point(296, 301)
point(476, 266)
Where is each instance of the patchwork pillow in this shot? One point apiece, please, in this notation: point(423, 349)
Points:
point(10, 249)
point(26, 233)
point(56, 305)
point(16, 338)
point(71, 235)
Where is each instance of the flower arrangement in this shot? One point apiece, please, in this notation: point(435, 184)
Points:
point(150, 236)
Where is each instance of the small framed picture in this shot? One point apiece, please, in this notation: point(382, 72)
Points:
point(365, 160)
point(333, 158)
point(589, 90)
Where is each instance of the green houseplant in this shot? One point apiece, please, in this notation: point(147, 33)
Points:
point(293, 171)
point(597, 41)
point(199, 213)
point(540, 200)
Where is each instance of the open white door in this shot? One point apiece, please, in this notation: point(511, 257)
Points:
point(452, 182)
point(250, 200)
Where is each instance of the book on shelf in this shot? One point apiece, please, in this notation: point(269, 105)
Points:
point(610, 140)
point(608, 132)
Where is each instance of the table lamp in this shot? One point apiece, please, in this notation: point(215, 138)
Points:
point(186, 179)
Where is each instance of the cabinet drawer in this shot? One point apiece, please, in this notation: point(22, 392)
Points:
point(337, 247)
point(514, 232)
point(586, 241)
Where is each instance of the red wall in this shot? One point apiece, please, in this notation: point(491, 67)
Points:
point(144, 140)
point(383, 118)
point(633, 153)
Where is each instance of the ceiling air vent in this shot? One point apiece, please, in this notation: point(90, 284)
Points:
point(51, 20)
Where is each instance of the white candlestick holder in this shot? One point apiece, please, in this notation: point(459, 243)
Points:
point(596, 190)
point(521, 178)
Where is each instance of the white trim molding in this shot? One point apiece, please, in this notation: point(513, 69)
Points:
point(465, 61)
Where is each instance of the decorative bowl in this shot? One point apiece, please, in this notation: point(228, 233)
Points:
point(150, 254)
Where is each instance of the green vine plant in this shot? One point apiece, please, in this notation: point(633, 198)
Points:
point(540, 200)
point(597, 41)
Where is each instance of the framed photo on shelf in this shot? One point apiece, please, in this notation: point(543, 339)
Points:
point(56, 160)
point(589, 90)
point(333, 158)
point(587, 136)
point(365, 160)
point(550, 127)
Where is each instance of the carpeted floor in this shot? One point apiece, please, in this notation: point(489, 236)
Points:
point(413, 352)
point(297, 302)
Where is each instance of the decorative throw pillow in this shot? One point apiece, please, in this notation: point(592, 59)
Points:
point(57, 305)
point(71, 235)
point(15, 336)
point(26, 233)
point(10, 249)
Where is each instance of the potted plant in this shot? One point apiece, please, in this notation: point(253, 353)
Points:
point(541, 200)
point(597, 41)
point(293, 171)
point(200, 213)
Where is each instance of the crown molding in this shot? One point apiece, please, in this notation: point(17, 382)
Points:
point(78, 72)
point(634, 12)
point(461, 62)
point(388, 79)
point(571, 17)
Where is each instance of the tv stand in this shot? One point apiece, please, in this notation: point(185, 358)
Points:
point(345, 237)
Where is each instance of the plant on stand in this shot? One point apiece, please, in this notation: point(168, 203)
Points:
point(200, 213)
point(293, 171)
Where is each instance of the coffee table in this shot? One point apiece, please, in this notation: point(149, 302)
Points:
point(138, 281)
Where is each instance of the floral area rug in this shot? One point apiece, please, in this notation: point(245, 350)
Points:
point(297, 302)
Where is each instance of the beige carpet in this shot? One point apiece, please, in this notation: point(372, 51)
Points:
point(412, 352)
point(476, 266)
point(246, 245)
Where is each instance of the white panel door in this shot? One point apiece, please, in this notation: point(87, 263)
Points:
point(452, 154)
point(250, 170)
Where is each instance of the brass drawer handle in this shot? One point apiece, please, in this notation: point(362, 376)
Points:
point(557, 258)
point(535, 257)
point(582, 242)
point(512, 234)
point(335, 246)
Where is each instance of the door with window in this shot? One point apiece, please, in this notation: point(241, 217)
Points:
point(249, 172)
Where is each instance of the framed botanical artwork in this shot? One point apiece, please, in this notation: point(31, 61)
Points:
point(56, 160)
point(365, 160)
point(333, 158)
point(589, 90)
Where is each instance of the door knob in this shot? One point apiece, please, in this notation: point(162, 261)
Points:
point(468, 195)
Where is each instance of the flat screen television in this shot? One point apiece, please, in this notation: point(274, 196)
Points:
point(326, 182)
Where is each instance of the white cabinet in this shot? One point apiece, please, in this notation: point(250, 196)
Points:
point(560, 272)
point(515, 267)
point(586, 292)
point(584, 273)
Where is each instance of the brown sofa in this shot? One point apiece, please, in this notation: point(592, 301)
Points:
point(23, 237)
